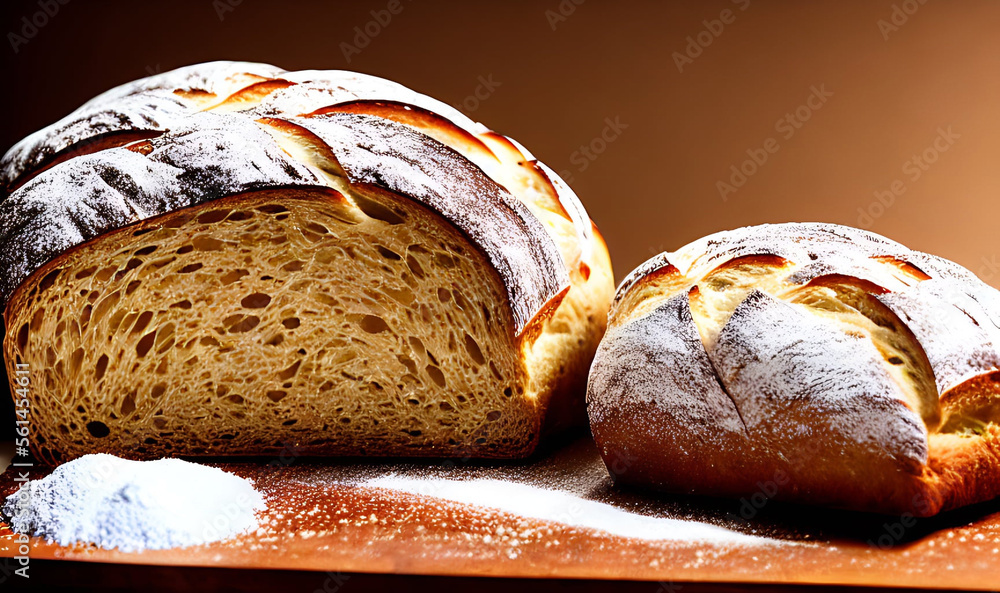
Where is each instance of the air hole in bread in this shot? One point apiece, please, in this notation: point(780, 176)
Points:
point(75, 361)
point(388, 253)
point(145, 344)
point(162, 262)
point(414, 266)
point(86, 272)
point(378, 211)
point(373, 324)
point(233, 276)
point(100, 368)
point(49, 279)
point(317, 228)
point(170, 357)
point(105, 274)
point(142, 322)
point(98, 429)
point(472, 347)
point(204, 243)
point(290, 371)
point(238, 324)
point(257, 300)
point(22, 337)
point(128, 405)
point(213, 216)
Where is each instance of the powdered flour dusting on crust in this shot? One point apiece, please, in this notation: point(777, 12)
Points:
point(660, 360)
point(195, 156)
point(386, 154)
point(833, 343)
point(791, 376)
point(211, 156)
point(145, 104)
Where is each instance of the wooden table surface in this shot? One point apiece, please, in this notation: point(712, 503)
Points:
point(328, 524)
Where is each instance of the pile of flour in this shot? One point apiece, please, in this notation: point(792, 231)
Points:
point(134, 505)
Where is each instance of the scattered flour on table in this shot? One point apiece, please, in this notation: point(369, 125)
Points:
point(552, 505)
point(134, 505)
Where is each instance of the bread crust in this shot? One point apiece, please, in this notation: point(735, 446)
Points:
point(107, 119)
point(187, 138)
point(863, 373)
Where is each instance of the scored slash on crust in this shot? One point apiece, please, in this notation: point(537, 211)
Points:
point(525, 258)
point(222, 214)
point(866, 371)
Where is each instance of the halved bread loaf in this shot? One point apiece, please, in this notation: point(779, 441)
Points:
point(317, 262)
point(862, 374)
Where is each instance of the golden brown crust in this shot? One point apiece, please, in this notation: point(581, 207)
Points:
point(865, 373)
point(229, 132)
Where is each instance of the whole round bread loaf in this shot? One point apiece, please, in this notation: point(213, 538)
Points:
point(808, 362)
point(232, 259)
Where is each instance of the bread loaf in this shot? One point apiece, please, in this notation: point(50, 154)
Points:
point(232, 259)
point(844, 367)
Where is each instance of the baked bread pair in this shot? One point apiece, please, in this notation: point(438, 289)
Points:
point(233, 259)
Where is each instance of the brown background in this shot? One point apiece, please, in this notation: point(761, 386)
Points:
point(654, 187)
